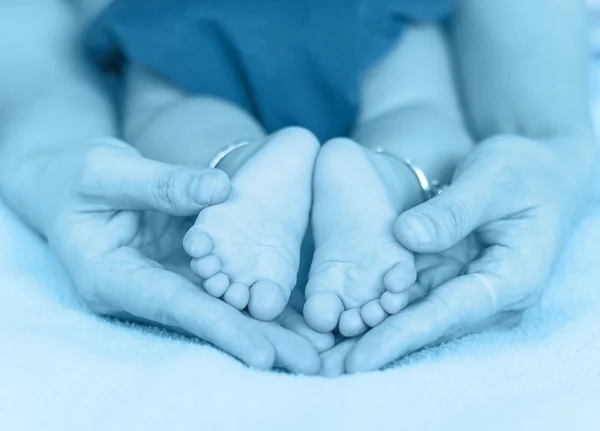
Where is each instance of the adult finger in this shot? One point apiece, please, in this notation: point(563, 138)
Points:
point(436, 275)
point(496, 323)
point(120, 176)
point(493, 283)
point(137, 286)
point(442, 222)
point(483, 189)
point(333, 361)
point(294, 321)
point(456, 306)
point(292, 351)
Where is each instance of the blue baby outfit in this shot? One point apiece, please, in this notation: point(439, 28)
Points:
point(288, 62)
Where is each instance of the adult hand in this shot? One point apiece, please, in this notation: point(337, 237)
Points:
point(519, 197)
point(115, 219)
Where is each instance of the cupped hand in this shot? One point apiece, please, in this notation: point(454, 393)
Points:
point(117, 220)
point(519, 197)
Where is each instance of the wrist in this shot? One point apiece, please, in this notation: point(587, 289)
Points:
point(435, 142)
point(234, 159)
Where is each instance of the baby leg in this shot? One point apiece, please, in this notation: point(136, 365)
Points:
point(247, 249)
point(166, 124)
point(360, 273)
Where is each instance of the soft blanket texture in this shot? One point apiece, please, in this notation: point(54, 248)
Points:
point(64, 369)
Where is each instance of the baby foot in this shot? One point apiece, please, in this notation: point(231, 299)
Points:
point(247, 249)
point(359, 270)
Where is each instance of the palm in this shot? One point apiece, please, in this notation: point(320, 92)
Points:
point(160, 238)
point(126, 261)
point(157, 236)
point(433, 269)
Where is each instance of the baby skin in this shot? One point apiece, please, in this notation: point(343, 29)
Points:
point(359, 273)
point(247, 249)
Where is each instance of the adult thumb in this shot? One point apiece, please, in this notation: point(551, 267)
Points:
point(443, 221)
point(123, 179)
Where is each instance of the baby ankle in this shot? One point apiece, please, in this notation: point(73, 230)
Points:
point(235, 159)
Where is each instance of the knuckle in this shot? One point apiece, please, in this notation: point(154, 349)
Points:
point(168, 188)
point(455, 218)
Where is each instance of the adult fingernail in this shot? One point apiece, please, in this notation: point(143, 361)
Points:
point(419, 229)
point(202, 188)
point(210, 187)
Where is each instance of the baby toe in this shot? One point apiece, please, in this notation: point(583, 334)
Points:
point(207, 266)
point(372, 313)
point(401, 276)
point(351, 323)
point(392, 302)
point(197, 243)
point(237, 295)
point(267, 300)
point(217, 284)
point(322, 311)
